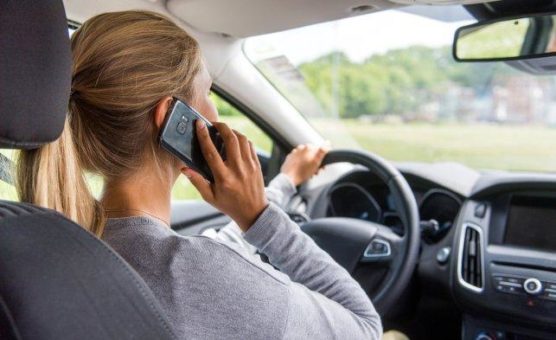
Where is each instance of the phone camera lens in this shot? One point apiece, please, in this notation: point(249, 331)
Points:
point(181, 128)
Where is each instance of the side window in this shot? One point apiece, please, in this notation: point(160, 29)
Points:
point(7, 191)
point(183, 190)
point(238, 121)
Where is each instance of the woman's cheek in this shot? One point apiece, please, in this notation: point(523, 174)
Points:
point(211, 110)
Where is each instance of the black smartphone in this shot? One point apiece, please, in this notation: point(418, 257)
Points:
point(179, 137)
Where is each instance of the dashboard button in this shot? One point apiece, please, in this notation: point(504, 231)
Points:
point(443, 255)
point(480, 210)
point(509, 289)
point(510, 285)
point(532, 286)
point(549, 296)
point(550, 285)
point(549, 292)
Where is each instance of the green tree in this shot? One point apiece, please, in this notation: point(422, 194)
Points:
point(398, 82)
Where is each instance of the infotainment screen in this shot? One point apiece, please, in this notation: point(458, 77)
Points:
point(531, 223)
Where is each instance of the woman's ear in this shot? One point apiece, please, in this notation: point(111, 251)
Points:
point(160, 111)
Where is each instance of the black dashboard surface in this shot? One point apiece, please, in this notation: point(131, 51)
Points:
point(361, 195)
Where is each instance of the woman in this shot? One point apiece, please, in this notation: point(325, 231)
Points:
point(127, 67)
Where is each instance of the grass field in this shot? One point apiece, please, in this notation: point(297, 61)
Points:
point(480, 146)
point(514, 148)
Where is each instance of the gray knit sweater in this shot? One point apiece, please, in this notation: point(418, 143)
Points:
point(212, 289)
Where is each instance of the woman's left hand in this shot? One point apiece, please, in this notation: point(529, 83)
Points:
point(303, 162)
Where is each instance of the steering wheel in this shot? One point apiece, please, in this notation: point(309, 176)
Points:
point(381, 260)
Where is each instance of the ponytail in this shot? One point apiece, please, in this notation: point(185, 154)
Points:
point(52, 177)
point(124, 63)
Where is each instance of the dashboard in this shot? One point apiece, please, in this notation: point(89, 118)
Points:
point(488, 241)
point(361, 195)
point(506, 256)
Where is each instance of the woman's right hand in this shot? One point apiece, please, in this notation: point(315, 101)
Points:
point(238, 188)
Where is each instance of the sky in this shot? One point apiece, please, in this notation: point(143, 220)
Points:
point(358, 37)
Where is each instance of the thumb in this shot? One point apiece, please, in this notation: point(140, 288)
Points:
point(200, 183)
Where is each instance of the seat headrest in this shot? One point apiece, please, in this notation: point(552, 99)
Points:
point(35, 72)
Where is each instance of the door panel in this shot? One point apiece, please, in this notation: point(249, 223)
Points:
point(193, 216)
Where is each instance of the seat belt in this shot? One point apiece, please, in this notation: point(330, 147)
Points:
point(6, 166)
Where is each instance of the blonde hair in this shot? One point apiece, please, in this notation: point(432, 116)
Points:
point(124, 63)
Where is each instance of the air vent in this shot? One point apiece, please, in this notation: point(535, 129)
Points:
point(470, 261)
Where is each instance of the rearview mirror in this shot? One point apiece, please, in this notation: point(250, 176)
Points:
point(516, 38)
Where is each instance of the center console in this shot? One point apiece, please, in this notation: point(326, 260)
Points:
point(504, 271)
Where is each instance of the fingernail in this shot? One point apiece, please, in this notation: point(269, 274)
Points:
point(201, 125)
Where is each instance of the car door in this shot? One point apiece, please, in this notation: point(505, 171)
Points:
point(190, 214)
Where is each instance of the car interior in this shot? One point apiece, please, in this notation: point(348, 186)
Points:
point(444, 248)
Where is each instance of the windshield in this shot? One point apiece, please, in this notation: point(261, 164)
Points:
point(387, 82)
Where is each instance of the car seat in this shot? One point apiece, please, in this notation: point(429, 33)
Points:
point(57, 281)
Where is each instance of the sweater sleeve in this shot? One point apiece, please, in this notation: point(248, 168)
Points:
point(279, 191)
point(326, 297)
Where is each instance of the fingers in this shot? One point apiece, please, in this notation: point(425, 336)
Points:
point(209, 151)
point(201, 184)
point(248, 152)
point(230, 141)
point(243, 146)
point(253, 150)
point(321, 152)
point(307, 150)
point(254, 156)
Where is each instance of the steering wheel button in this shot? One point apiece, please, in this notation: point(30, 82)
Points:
point(377, 248)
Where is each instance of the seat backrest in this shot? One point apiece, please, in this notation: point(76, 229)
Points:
point(60, 282)
point(57, 281)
